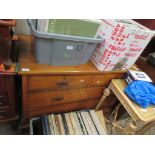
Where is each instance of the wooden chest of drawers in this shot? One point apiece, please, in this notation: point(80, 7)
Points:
point(50, 93)
point(47, 89)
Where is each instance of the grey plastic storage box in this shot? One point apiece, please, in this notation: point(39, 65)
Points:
point(61, 50)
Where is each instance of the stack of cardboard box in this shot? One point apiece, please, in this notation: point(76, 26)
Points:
point(123, 42)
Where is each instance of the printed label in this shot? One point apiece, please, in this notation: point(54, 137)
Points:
point(69, 47)
point(25, 69)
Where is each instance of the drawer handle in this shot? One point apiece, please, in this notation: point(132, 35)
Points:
point(62, 84)
point(1, 103)
point(57, 99)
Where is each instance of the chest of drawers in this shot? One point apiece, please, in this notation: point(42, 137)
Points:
point(44, 94)
point(47, 89)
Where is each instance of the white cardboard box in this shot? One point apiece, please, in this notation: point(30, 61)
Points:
point(123, 42)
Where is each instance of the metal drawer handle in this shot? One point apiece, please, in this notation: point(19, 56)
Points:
point(62, 84)
point(1, 103)
point(57, 99)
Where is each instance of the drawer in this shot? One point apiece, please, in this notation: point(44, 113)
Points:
point(3, 99)
point(87, 104)
point(4, 113)
point(37, 83)
point(36, 99)
point(3, 83)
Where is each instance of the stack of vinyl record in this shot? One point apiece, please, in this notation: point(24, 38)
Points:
point(73, 123)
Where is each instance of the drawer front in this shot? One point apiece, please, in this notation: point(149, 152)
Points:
point(3, 99)
point(4, 113)
point(40, 83)
point(3, 83)
point(73, 106)
point(36, 83)
point(59, 97)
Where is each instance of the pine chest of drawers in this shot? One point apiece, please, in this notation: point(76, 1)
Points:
point(43, 94)
point(47, 89)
